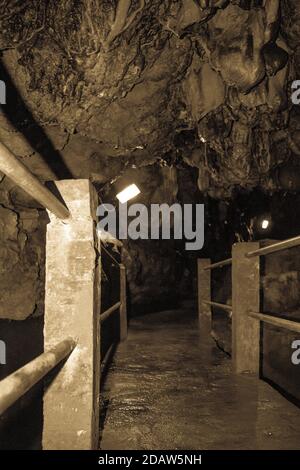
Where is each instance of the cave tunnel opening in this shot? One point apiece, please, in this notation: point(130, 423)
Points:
point(194, 106)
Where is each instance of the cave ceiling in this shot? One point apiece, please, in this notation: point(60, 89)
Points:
point(122, 84)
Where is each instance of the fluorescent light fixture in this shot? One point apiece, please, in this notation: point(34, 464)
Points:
point(128, 193)
point(265, 224)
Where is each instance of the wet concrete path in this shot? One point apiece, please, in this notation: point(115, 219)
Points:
point(166, 389)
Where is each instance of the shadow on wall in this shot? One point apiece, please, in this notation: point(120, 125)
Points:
point(22, 119)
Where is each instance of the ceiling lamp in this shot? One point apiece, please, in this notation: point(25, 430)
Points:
point(128, 193)
point(265, 224)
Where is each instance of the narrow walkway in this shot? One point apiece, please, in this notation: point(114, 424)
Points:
point(165, 390)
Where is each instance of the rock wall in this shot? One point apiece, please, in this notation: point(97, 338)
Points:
point(97, 88)
point(154, 275)
point(22, 281)
point(22, 254)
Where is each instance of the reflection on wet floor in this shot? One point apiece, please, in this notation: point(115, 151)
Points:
point(168, 388)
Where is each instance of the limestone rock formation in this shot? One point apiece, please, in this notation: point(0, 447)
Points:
point(95, 88)
point(22, 254)
point(123, 78)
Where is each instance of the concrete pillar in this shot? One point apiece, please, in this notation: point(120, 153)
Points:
point(204, 293)
point(123, 306)
point(245, 297)
point(72, 306)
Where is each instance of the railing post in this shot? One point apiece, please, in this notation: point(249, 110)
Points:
point(72, 306)
point(245, 297)
point(123, 306)
point(204, 294)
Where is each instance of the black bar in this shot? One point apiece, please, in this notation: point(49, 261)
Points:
point(133, 459)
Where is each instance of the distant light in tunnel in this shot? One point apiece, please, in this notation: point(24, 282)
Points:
point(128, 193)
point(265, 224)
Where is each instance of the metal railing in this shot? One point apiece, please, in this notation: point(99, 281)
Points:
point(245, 300)
point(276, 321)
point(121, 305)
point(219, 264)
point(109, 311)
point(210, 267)
point(226, 307)
point(107, 358)
point(106, 237)
point(19, 382)
point(278, 246)
point(273, 248)
point(14, 386)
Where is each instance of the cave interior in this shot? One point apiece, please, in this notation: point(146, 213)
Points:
point(192, 101)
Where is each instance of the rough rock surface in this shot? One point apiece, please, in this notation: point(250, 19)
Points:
point(123, 79)
point(22, 255)
point(97, 88)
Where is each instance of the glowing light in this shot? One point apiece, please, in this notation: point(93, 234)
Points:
point(128, 193)
point(265, 224)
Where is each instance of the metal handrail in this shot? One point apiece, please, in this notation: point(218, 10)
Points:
point(219, 264)
point(19, 382)
point(107, 237)
point(109, 254)
point(216, 304)
point(19, 174)
point(283, 245)
point(275, 321)
point(107, 357)
point(109, 311)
